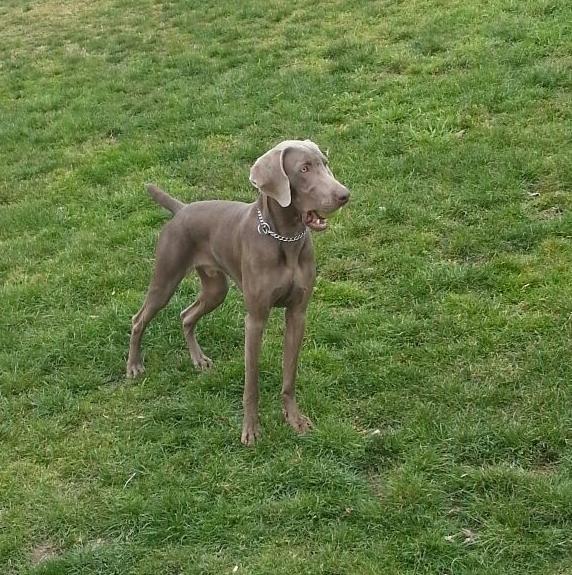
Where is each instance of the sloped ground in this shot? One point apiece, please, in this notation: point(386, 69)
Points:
point(437, 361)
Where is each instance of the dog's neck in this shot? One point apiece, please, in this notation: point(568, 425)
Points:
point(284, 221)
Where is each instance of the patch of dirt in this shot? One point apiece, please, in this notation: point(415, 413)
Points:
point(43, 552)
point(54, 10)
point(551, 213)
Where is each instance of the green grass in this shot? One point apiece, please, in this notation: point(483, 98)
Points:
point(437, 364)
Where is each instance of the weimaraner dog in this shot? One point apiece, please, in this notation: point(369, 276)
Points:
point(264, 247)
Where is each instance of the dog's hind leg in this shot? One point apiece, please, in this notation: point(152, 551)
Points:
point(171, 265)
point(214, 287)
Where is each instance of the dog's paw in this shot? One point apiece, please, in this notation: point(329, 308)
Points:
point(251, 433)
point(299, 423)
point(134, 369)
point(202, 362)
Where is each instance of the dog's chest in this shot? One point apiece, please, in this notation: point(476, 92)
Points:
point(294, 286)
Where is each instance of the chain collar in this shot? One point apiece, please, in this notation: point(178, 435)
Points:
point(265, 230)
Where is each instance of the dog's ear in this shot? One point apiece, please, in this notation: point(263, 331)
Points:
point(268, 175)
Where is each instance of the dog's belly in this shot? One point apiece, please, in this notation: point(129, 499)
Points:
point(226, 261)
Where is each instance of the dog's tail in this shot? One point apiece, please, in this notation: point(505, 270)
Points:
point(164, 199)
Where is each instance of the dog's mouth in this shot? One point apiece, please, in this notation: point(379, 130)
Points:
point(315, 221)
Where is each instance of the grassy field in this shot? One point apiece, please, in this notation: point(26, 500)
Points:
point(437, 362)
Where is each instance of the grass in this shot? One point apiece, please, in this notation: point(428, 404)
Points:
point(437, 360)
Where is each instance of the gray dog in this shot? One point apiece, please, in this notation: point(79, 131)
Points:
point(264, 247)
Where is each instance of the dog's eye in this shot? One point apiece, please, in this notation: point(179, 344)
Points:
point(304, 168)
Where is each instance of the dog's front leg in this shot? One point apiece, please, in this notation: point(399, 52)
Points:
point(255, 322)
point(295, 321)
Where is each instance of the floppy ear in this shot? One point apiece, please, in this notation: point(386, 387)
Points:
point(268, 175)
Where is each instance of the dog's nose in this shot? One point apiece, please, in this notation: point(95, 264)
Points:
point(343, 197)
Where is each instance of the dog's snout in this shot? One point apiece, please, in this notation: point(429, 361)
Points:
point(343, 196)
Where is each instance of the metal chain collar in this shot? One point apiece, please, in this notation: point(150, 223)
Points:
point(265, 230)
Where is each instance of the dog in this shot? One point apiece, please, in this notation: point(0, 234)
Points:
point(265, 247)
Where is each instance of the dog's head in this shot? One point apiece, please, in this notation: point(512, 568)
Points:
point(295, 172)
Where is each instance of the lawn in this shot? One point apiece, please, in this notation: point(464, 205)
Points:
point(437, 363)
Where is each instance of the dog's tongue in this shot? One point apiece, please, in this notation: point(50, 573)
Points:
point(315, 222)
